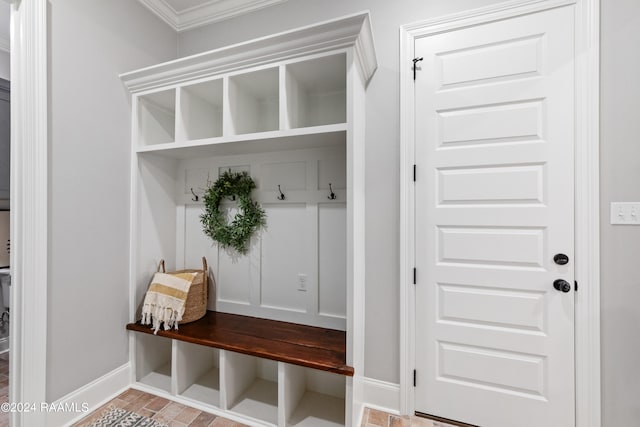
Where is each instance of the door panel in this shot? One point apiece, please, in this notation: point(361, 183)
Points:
point(494, 203)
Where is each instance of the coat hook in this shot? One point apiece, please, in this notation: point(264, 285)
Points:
point(331, 196)
point(195, 197)
point(281, 196)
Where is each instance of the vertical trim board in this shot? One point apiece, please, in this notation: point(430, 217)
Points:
point(587, 208)
point(29, 207)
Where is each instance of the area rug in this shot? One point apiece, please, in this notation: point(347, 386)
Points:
point(118, 417)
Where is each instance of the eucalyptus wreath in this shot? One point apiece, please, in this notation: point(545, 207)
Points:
point(248, 220)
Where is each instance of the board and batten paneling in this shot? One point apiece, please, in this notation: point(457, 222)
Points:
point(295, 269)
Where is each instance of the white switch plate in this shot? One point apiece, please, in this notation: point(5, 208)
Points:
point(302, 282)
point(625, 213)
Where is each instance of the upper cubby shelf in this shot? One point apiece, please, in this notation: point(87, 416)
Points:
point(292, 84)
point(201, 110)
point(316, 91)
point(157, 118)
point(253, 101)
point(313, 137)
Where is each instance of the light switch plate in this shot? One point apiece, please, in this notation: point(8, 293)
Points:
point(302, 282)
point(625, 213)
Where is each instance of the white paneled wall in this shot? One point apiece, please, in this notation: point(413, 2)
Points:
point(295, 269)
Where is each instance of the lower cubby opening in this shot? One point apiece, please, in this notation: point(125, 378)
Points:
point(153, 361)
point(198, 373)
point(252, 386)
point(313, 398)
point(265, 371)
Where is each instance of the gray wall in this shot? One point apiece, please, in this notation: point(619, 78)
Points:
point(92, 41)
point(620, 157)
point(5, 73)
point(620, 181)
point(382, 147)
point(5, 65)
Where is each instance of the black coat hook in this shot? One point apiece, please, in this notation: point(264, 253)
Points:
point(281, 196)
point(331, 196)
point(195, 197)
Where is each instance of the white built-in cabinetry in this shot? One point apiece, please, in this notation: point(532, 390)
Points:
point(249, 389)
point(289, 109)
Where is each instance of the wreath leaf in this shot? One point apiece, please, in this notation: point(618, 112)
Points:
point(250, 217)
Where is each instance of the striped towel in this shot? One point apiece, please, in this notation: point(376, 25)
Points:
point(165, 299)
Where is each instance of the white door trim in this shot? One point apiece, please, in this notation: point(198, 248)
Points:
point(587, 244)
point(29, 208)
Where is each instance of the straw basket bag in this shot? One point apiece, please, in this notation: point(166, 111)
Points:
point(196, 304)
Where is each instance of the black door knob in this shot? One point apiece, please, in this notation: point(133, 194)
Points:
point(561, 285)
point(560, 259)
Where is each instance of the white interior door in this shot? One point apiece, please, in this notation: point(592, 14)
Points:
point(494, 203)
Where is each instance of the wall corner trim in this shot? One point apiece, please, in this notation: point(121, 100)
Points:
point(29, 207)
point(92, 395)
point(381, 395)
point(587, 214)
point(5, 44)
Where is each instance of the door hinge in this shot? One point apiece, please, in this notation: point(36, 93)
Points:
point(414, 275)
point(575, 285)
point(415, 65)
point(414, 173)
point(414, 377)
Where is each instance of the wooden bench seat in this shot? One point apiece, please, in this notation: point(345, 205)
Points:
point(309, 346)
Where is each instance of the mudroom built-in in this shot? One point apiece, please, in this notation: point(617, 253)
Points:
point(287, 112)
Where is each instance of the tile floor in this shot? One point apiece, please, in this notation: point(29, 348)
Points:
point(177, 415)
point(171, 413)
point(4, 387)
point(374, 418)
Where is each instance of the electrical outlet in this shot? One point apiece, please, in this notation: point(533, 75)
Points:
point(302, 282)
point(625, 213)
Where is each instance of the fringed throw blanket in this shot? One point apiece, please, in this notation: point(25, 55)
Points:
point(165, 299)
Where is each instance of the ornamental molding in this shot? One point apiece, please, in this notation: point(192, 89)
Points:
point(204, 13)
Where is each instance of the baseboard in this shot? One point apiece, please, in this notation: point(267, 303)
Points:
point(381, 395)
point(79, 403)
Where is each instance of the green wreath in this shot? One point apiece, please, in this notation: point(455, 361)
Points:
point(247, 221)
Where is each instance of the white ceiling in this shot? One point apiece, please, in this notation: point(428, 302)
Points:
point(187, 14)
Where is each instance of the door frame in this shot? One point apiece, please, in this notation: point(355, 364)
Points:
point(29, 208)
point(587, 192)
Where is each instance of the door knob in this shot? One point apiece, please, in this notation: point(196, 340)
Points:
point(560, 259)
point(561, 285)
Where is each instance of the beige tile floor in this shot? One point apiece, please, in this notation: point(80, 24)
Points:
point(178, 415)
point(171, 413)
point(4, 387)
point(374, 418)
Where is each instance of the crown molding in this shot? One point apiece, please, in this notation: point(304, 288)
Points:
point(353, 31)
point(206, 13)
